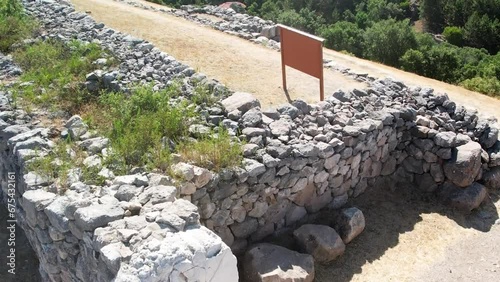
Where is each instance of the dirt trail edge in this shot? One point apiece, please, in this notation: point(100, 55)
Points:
point(239, 64)
point(244, 66)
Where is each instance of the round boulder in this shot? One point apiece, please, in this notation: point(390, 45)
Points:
point(321, 241)
point(464, 165)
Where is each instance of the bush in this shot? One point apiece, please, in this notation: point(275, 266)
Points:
point(454, 35)
point(145, 125)
point(56, 71)
point(14, 30)
point(215, 151)
point(489, 86)
point(386, 41)
point(343, 36)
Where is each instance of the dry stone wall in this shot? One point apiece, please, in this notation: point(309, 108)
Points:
point(299, 158)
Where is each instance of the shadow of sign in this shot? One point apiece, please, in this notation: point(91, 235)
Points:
point(303, 52)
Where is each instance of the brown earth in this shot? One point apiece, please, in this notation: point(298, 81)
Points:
point(409, 236)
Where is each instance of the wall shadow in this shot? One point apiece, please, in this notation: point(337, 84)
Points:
point(26, 263)
point(388, 214)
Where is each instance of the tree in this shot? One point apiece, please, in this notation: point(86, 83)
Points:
point(386, 41)
point(442, 63)
point(482, 31)
point(431, 12)
point(381, 10)
point(454, 35)
point(344, 36)
point(414, 61)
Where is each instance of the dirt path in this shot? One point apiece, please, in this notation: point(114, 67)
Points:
point(238, 63)
point(244, 66)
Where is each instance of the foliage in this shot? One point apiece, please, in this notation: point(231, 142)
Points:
point(55, 71)
point(489, 85)
point(344, 36)
point(454, 35)
point(386, 41)
point(14, 24)
point(57, 163)
point(215, 151)
point(11, 8)
point(144, 124)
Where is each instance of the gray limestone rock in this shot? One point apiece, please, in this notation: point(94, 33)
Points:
point(465, 199)
point(492, 178)
point(464, 165)
point(446, 139)
point(251, 118)
point(267, 262)
point(240, 101)
point(350, 223)
point(253, 167)
point(320, 241)
point(91, 217)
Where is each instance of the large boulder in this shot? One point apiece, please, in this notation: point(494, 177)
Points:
point(464, 165)
point(350, 223)
point(240, 101)
point(320, 241)
point(465, 199)
point(271, 263)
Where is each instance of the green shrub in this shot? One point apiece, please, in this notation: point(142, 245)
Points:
point(56, 71)
point(454, 35)
point(145, 125)
point(386, 41)
point(57, 163)
point(215, 151)
point(14, 30)
point(489, 85)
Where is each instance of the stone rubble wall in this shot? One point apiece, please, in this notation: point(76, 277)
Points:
point(93, 233)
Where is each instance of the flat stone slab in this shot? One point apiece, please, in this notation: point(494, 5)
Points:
point(268, 262)
point(91, 217)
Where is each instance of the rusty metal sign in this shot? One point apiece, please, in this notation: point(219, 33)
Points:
point(303, 52)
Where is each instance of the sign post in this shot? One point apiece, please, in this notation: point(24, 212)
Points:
point(302, 51)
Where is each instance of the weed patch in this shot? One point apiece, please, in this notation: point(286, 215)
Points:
point(54, 73)
point(64, 159)
point(215, 151)
point(14, 24)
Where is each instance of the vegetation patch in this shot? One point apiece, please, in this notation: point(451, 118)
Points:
point(65, 161)
point(215, 151)
point(15, 26)
point(54, 73)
